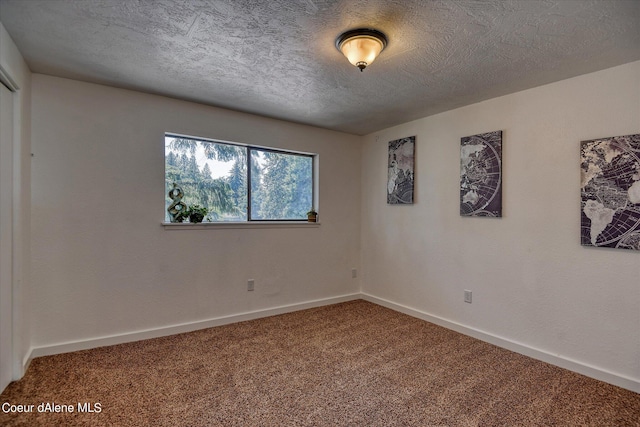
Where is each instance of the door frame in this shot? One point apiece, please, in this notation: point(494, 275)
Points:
point(18, 365)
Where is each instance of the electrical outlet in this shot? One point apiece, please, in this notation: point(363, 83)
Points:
point(250, 284)
point(467, 296)
point(354, 273)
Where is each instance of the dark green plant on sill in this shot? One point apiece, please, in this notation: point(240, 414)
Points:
point(196, 213)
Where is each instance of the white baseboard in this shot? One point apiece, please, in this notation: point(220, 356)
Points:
point(68, 347)
point(572, 365)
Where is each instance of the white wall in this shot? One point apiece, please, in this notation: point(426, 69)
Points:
point(15, 69)
point(104, 266)
point(533, 285)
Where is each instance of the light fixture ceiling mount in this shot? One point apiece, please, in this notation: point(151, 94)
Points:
point(361, 46)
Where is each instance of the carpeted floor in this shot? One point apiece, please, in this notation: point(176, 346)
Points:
point(349, 364)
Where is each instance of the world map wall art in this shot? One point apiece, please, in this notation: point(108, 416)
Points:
point(610, 202)
point(481, 175)
point(400, 178)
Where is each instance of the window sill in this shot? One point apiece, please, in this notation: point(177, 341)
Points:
point(232, 225)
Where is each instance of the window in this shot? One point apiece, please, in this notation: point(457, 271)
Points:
point(215, 175)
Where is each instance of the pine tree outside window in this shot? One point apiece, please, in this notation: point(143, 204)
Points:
point(215, 174)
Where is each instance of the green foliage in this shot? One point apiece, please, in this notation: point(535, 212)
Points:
point(285, 187)
point(195, 213)
point(238, 185)
point(281, 184)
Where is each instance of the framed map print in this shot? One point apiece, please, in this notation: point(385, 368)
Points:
point(481, 175)
point(610, 196)
point(400, 176)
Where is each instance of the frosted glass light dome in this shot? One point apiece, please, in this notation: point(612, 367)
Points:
point(362, 46)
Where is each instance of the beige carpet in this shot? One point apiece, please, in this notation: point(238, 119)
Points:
point(350, 364)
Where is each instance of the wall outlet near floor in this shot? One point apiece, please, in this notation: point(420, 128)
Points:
point(250, 284)
point(467, 296)
point(354, 273)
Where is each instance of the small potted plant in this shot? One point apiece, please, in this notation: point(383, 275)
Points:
point(196, 213)
point(312, 215)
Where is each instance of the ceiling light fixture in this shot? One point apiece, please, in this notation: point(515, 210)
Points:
point(361, 46)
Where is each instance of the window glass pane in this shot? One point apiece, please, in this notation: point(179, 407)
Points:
point(281, 185)
point(212, 175)
point(215, 175)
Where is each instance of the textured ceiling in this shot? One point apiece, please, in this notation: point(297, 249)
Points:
point(277, 57)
